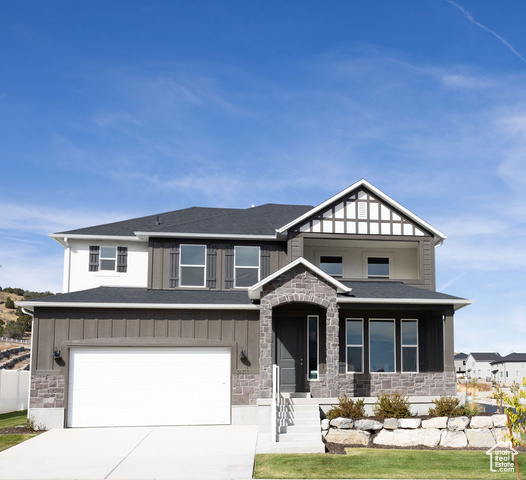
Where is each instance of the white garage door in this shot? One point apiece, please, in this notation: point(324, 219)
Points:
point(135, 386)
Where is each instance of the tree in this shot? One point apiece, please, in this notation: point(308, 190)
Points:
point(9, 303)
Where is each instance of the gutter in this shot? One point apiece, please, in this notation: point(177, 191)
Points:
point(145, 306)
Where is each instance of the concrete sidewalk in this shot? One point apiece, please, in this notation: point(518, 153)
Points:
point(134, 453)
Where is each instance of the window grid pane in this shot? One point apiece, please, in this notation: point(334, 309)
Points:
point(409, 345)
point(246, 266)
point(354, 345)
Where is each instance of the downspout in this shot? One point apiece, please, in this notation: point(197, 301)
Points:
point(31, 314)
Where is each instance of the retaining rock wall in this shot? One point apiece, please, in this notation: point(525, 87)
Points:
point(454, 432)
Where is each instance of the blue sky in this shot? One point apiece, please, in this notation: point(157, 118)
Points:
point(112, 110)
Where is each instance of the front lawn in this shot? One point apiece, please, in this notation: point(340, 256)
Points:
point(383, 463)
point(10, 421)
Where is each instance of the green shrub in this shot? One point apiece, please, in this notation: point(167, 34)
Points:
point(347, 408)
point(9, 303)
point(392, 405)
point(473, 408)
point(13, 330)
point(14, 291)
point(446, 407)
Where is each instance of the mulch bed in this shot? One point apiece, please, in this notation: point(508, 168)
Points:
point(17, 431)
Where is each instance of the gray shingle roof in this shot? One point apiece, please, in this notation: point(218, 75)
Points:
point(461, 356)
point(486, 356)
point(262, 220)
point(512, 357)
point(397, 290)
point(131, 295)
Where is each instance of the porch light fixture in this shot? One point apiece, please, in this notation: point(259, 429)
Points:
point(242, 355)
point(56, 354)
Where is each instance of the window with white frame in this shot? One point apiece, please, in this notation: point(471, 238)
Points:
point(409, 345)
point(192, 265)
point(313, 354)
point(354, 345)
point(108, 258)
point(377, 267)
point(332, 265)
point(381, 345)
point(246, 261)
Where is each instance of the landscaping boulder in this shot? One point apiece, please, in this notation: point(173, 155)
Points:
point(325, 424)
point(391, 423)
point(456, 424)
point(453, 439)
point(499, 434)
point(500, 420)
point(481, 422)
point(480, 438)
point(437, 422)
point(348, 437)
point(409, 422)
point(368, 425)
point(341, 422)
point(408, 438)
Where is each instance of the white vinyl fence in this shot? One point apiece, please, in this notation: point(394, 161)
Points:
point(14, 390)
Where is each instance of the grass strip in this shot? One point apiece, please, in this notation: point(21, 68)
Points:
point(13, 419)
point(383, 463)
point(8, 441)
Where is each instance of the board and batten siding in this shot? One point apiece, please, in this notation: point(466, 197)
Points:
point(54, 327)
point(163, 263)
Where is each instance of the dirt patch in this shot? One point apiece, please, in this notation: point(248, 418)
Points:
point(17, 431)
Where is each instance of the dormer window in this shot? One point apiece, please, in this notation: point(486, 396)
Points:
point(332, 265)
point(377, 267)
point(193, 261)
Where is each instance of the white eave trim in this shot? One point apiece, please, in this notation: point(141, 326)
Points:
point(63, 238)
point(254, 292)
point(456, 303)
point(439, 236)
point(145, 235)
point(157, 306)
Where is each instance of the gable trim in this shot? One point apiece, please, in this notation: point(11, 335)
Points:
point(254, 292)
point(439, 236)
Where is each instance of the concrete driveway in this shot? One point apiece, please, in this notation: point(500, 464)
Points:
point(134, 453)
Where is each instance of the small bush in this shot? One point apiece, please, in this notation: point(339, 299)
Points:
point(347, 408)
point(446, 407)
point(14, 291)
point(392, 405)
point(13, 330)
point(473, 408)
point(9, 303)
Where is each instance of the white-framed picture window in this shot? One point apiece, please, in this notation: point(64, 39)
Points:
point(409, 345)
point(192, 265)
point(382, 345)
point(378, 267)
point(332, 265)
point(354, 345)
point(247, 266)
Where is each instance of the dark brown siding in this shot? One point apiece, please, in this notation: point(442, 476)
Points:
point(163, 262)
point(54, 328)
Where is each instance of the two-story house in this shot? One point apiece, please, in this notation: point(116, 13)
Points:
point(179, 318)
point(479, 365)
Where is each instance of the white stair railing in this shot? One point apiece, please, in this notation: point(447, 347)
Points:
point(275, 404)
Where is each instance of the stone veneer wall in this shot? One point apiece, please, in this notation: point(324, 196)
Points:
point(420, 384)
point(245, 388)
point(47, 391)
point(300, 285)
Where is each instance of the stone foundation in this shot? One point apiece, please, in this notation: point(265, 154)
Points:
point(47, 391)
point(418, 384)
point(245, 388)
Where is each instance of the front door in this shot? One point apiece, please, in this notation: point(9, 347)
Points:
point(291, 353)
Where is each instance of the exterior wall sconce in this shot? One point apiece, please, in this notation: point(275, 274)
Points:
point(242, 355)
point(56, 354)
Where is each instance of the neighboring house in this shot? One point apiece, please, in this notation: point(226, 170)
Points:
point(509, 369)
point(178, 318)
point(478, 365)
point(460, 363)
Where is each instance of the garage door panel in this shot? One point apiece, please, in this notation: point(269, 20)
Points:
point(132, 386)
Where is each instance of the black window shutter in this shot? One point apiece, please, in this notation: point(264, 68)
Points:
point(211, 256)
point(122, 259)
point(265, 262)
point(229, 266)
point(173, 281)
point(94, 258)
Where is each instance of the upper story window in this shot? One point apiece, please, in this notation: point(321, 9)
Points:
point(377, 267)
point(332, 265)
point(192, 268)
point(246, 261)
point(108, 259)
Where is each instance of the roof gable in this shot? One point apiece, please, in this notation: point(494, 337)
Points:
point(362, 209)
